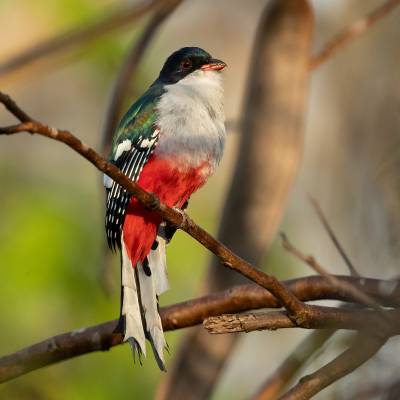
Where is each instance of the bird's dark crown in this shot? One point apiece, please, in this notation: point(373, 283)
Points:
point(182, 62)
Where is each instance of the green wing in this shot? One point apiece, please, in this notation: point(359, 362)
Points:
point(138, 122)
point(133, 144)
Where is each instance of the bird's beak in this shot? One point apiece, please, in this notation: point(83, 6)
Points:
point(213, 65)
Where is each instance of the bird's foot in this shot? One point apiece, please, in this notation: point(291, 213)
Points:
point(183, 215)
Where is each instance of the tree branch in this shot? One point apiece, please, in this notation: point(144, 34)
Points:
point(319, 317)
point(120, 18)
point(345, 286)
point(240, 298)
point(352, 32)
point(363, 348)
point(333, 237)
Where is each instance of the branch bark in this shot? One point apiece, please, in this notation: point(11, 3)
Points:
point(318, 318)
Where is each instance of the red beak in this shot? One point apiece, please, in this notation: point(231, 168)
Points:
point(213, 65)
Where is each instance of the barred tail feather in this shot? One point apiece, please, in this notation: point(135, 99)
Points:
point(141, 287)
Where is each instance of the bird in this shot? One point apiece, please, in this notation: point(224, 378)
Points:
point(169, 142)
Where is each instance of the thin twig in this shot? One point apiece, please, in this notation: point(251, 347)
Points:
point(240, 298)
point(335, 240)
point(79, 36)
point(297, 310)
point(363, 348)
point(13, 108)
point(352, 32)
point(311, 261)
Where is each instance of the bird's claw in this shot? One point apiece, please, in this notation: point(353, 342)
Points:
point(183, 215)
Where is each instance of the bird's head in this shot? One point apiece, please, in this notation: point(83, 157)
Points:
point(187, 60)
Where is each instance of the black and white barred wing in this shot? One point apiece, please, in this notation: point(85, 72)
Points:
point(130, 159)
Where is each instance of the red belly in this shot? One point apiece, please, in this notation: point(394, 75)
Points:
point(173, 186)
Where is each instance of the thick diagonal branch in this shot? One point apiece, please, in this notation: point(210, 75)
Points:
point(353, 31)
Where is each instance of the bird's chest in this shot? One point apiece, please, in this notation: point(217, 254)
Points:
point(191, 123)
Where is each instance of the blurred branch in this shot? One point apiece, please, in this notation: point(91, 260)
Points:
point(240, 298)
point(376, 390)
point(274, 385)
point(176, 217)
point(392, 391)
point(345, 286)
point(379, 323)
point(129, 69)
point(352, 32)
point(279, 379)
point(270, 150)
point(91, 31)
point(362, 349)
point(80, 35)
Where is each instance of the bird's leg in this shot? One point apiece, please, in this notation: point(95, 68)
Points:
point(170, 229)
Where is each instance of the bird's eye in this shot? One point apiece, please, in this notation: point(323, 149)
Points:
point(186, 64)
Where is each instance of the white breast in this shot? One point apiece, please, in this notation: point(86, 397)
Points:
point(191, 120)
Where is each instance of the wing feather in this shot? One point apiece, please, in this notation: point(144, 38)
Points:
point(134, 142)
point(131, 164)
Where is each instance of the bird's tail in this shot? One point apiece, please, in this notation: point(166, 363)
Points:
point(141, 287)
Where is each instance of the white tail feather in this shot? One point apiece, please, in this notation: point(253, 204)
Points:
point(130, 303)
point(149, 287)
point(151, 315)
point(158, 264)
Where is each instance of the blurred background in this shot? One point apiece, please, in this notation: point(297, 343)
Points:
point(53, 277)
